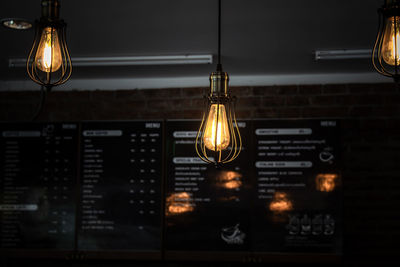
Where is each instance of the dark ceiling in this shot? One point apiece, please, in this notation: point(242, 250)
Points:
point(259, 37)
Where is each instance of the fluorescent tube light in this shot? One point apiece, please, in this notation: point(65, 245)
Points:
point(342, 54)
point(128, 61)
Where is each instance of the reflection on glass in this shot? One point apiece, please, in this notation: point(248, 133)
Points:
point(280, 203)
point(326, 182)
point(229, 179)
point(178, 203)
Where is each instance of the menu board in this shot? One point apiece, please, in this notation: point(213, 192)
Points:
point(120, 188)
point(139, 186)
point(206, 208)
point(298, 186)
point(281, 195)
point(37, 183)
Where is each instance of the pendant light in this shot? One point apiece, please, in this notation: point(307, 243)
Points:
point(386, 52)
point(218, 139)
point(49, 63)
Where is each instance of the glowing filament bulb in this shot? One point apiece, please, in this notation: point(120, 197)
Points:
point(216, 134)
point(48, 56)
point(391, 42)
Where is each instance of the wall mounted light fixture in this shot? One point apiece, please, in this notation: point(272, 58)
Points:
point(218, 139)
point(49, 63)
point(386, 52)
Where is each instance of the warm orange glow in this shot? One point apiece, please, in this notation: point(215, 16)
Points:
point(216, 134)
point(391, 42)
point(229, 179)
point(326, 182)
point(178, 203)
point(280, 203)
point(48, 56)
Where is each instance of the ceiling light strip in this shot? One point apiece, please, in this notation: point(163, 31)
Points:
point(128, 61)
point(342, 54)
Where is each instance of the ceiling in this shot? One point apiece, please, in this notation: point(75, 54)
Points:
point(259, 37)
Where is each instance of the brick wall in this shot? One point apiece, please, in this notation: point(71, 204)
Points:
point(370, 140)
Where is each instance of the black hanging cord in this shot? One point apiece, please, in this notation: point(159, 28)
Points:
point(219, 66)
point(41, 103)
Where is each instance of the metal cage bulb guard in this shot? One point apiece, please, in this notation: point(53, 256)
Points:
point(386, 51)
point(220, 100)
point(49, 63)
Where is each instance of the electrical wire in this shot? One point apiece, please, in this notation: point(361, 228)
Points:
point(39, 109)
point(219, 66)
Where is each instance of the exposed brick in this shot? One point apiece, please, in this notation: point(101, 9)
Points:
point(288, 90)
point(361, 111)
point(243, 114)
point(162, 93)
point(170, 104)
point(265, 90)
point(265, 113)
point(352, 100)
point(360, 88)
point(289, 112)
point(194, 92)
point(273, 101)
point(248, 102)
point(128, 94)
point(20, 95)
point(241, 91)
point(385, 88)
point(310, 89)
point(192, 114)
point(334, 112)
point(102, 95)
point(297, 101)
point(334, 89)
point(197, 103)
point(135, 105)
point(323, 100)
point(392, 99)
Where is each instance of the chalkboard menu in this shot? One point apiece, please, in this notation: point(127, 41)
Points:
point(138, 188)
point(282, 194)
point(298, 193)
point(120, 194)
point(37, 185)
point(206, 209)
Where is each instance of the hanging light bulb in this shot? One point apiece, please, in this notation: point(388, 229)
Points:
point(48, 56)
point(49, 63)
point(218, 139)
point(386, 52)
point(216, 134)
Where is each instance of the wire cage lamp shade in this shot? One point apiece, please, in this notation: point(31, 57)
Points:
point(218, 140)
point(49, 63)
point(386, 51)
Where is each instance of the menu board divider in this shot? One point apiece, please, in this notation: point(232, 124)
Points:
point(77, 191)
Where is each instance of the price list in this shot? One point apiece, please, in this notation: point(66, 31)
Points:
point(205, 207)
point(297, 185)
point(121, 172)
point(38, 179)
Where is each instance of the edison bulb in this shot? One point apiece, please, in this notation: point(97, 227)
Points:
point(216, 134)
point(391, 42)
point(48, 56)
